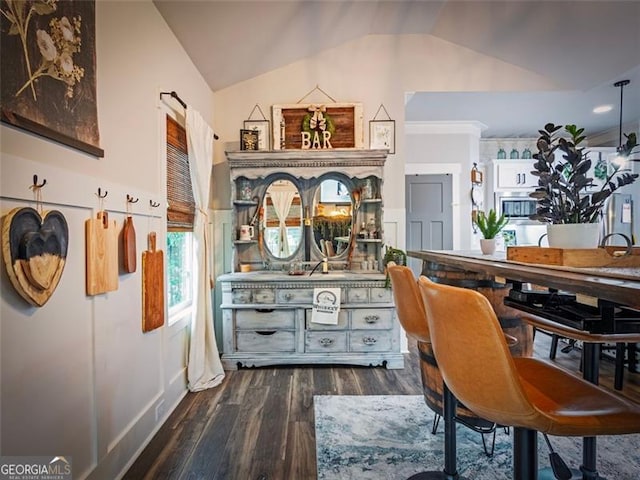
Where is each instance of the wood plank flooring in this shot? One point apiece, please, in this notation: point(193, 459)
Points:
point(259, 424)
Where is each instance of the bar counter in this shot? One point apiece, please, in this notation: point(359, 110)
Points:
point(618, 285)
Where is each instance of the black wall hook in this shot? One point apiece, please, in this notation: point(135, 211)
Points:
point(154, 204)
point(100, 195)
point(130, 199)
point(35, 182)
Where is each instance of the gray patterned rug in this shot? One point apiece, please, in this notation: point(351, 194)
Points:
point(389, 437)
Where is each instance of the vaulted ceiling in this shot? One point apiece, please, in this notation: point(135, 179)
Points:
point(583, 47)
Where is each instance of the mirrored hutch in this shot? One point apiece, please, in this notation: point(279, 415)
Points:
point(304, 220)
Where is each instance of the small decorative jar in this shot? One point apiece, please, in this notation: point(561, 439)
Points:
point(502, 154)
point(526, 153)
point(514, 155)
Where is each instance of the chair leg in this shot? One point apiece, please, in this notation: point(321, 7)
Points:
point(436, 422)
point(633, 362)
point(489, 452)
point(554, 346)
point(618, 377)
point(525, 454)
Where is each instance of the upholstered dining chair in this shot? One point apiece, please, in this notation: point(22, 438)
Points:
point(412, 317)
point(527, 393)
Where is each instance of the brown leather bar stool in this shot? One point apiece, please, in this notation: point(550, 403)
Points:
point(412, 317)
point(529, 394)
point(411, 314)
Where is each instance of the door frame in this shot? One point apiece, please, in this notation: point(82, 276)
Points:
point(454, 169)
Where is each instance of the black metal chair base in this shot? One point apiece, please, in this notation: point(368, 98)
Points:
point(430, 476)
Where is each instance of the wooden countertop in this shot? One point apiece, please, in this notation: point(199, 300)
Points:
point(620, 285)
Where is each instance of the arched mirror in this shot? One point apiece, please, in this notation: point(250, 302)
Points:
point(332, 209)
point(282, 218)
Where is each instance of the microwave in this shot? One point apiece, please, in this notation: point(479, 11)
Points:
point(518, 206)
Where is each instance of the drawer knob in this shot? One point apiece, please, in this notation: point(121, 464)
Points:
point(369, 340)
point(326, 342)
point(371, 318)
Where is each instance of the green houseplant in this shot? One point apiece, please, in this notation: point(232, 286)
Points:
point(489, 225)
point(563, 194)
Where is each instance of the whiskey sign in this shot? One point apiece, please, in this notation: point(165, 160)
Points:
point(317, 126)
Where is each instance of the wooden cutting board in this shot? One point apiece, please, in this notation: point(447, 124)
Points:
point(152, 286)
point(101, 238)
point(129, 246)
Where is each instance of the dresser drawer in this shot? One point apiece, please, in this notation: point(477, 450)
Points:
point(241, 296)
point(381, 295)
point(265, 319)
point(343, 321)
point(325, 342)
point(264, 295)
point(304, 295)
point(268, 341)
point(372, 318)
point(358, 295)
point(370, 341)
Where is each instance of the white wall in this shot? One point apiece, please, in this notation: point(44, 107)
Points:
point(78, 376)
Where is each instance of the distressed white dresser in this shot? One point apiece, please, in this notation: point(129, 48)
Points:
point(267, 321)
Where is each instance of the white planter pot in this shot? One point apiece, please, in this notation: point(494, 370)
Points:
point(488, 246)
point(574, 235)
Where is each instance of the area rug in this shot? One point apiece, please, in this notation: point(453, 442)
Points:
point(384, 437)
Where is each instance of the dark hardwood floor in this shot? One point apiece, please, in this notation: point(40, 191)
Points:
point(259, 424)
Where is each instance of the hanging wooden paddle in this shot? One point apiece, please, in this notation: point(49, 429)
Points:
point(102, 254)
point(129, 246)
point(152, 286)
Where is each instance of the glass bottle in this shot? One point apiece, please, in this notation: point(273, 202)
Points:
point(514, 154)
point(502, 154)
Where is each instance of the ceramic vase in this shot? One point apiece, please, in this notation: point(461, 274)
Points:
point(573, 235)
point(488, 246)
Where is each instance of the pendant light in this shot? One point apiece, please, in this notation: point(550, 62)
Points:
point(624, 149)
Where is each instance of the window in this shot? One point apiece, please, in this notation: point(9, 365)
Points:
point(180, 216)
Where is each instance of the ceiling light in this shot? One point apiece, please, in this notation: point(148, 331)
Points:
point(603, 108)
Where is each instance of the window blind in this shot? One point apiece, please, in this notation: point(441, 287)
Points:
point(181, 209)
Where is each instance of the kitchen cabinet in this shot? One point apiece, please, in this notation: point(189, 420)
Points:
point(513, 175)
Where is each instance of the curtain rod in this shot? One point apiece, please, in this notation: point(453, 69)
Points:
point(173, 94)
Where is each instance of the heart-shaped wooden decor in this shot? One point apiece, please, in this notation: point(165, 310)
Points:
point(34, 249)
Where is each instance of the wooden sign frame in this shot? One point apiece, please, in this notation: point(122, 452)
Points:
point(347, 118)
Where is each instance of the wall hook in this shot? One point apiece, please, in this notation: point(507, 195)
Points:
point(130, 199)
point(35, 183)
point(154, 204)
point(100, 195)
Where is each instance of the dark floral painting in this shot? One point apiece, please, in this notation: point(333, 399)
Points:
point(48, 70)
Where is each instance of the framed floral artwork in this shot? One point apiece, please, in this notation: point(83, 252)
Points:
point(48, 70)
point(382, 134)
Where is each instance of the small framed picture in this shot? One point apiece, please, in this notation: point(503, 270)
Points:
point(382, 134)
point(249, 139)
point(263, 127)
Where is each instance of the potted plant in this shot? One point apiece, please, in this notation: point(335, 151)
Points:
point(399, 257)
point(489, 225)
point(563, 193)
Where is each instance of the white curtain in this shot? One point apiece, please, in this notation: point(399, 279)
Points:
point(282, 200)
point(204, 369)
